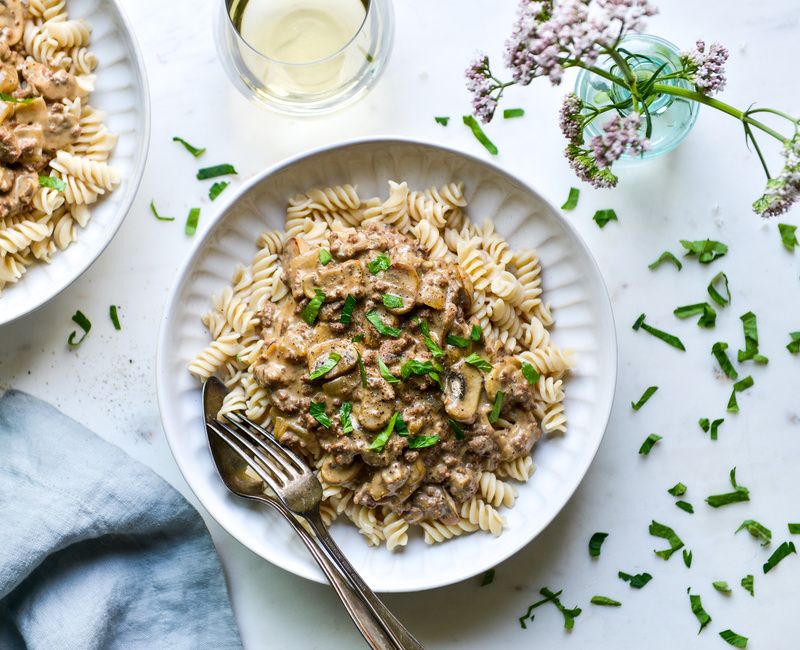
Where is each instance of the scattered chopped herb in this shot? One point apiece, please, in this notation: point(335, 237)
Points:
point(311, 310)
point(750, 340)
point(706, 250)
point(643, 399)
point(708, 317)
point(442, 120)
point(488, 578)
point(344, 417)
point(326, 366)
point(15, 100)
point(52, 183)
point(665, 532)
point(738, 387)
point(191, 221)
point(457, 341)
point(496, 407)
point(721, 586)
point(718, 350)
point(569, 614)
point(685, 506)
point(155, 212)
point(114, 316)
point(317, 411)
point(747, 583)
point(347, 310)
point(432, 345)
point(636, 581)
point(715, 294)
point(400, 426)
point(648, 443)
point(674, 341)
point(794, 345)
point(387, 330)
point(391, 301)
point(715, 427)
point(677, 490)
point(383, 437)
point(602, 217)
point(704, 425)
point(414, 367)
point(757, 530)
point(572, 200)
point(788, 236)
point(479, 362)
point(216, 170)
point(362, 371)
point(736, 640)
point(480, 136)
point(386, 373)
point(794, 529)
point(191, 149)
point(84, 323)
point(475, 333)
point(687, 558)
point(458, 430)
point(419, 442)
point(216, 189)
point(699, 612)
point(527, 616)
point(380, 263)
point(530, 373)
point(325, 257)
point(784, 550)
point(666, 256)
point(357, 338)
point(739, 494)
point(596, 543)
point(509, 113)
point(605, 601)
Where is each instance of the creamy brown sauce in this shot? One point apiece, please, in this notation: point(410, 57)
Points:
point(448, 404)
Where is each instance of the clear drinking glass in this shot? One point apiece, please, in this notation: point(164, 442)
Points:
point(304, 56)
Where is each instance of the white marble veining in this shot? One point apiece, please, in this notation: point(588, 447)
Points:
point(703, 189)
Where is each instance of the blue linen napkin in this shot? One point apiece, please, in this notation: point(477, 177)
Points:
point(97, 551)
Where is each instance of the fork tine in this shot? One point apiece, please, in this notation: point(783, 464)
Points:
point(256, 467)
point(279, 472)
point(237, 419)
point(273, 449)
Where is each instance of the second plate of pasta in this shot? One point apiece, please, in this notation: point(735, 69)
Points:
point(412, 320)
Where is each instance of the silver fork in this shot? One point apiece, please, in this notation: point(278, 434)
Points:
point(299, 490)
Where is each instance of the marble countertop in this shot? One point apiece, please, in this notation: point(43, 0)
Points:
point(701, 190)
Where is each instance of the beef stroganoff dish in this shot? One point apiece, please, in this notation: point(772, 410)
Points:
point(402, 350)
point(53, 145)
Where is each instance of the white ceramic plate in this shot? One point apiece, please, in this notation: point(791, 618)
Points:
point(572, 284)
point(121, 91)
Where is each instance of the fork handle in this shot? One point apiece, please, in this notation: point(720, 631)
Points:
point(399, 633)
point(365, 619)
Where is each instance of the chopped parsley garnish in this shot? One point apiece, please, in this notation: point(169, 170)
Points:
point(458, 430)
point(552, 597)
point(325, 257)
point(496, 407)
point(191, 221)
point(391, 301)
point(475, 333)
point(414, 367)
point(715, 427)
point(718, 350)
point(317, 411)
point(509, 113)
point(357, 338)
point(699, 612)
point(687, 558)
point(739, 494)
point(191, 149)
point(456, 341)
point(665, 532)
point(788, 236)
point(479, 362)
point(527, 616)
point(677, 490)
point(602, 217)
point(708, 317)
point(685, 506)
point(643, 399)
point(721, 586)
point(706, 250)
point(750, 340)
point(784, 550)
point(794, 529)
point(400, 427)
point(84, 323)
point(216, 170)
point(383, 437)
point(52, 183)
point(387, 330)
point(605, 601)
point(596, 543)
point(362, 371)
point(487, 578)
point(738, 387)
point(419, 442)
point(386, 373)
point(666, 256)
point(15, 100)
point(380, 263)
point(720, 280)
point(747, 583)
point(648, 443)
point(636, 581)
point(344, 417)
point(736, 640)
point(326, 366)
point(674, 341)
point(794, 345)
point(311, 310)
point(444, 121)
point(480, 136)
point(572, 200)
point(216, 189)
point(114, 316)
point(757, 530)
point(155, 212)
point(432, 345)
point(347, 311)
point(530, 373)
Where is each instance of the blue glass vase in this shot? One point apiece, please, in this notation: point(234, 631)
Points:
point(672, 117)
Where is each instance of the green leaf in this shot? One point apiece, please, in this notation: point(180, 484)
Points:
point(788, 236)
point(311, 310)
point(418, 442)
point(794, 529)
point(216, 189)
point(191, 221)
point(317, 411)
point(347, 310)
point(648, 443)
point(391, 301)
point(400, 427)
point(757, 530)
point(344, 417)
point(479, 362)
point(480, 136)
point(191, 149)
point(706, 250)
point(739, 494)
point(783, 551)
point(15, 100)
point(708, 317)
point(325, 256)
point(669, 339)
point(530, 373)
point(687, 558)
point(442, 120)
point(386, 330)
point(79, 318)
point(572, 200)
point(736, 640)
point(476, 332)
point(685, 506)
point(114, 316)
point(747, 583)
point(665, 532)
point(643, 399)
point(496, 407)
point(697, 609)
point(488, 578)
point(458, 430)
point(715, 427)
point(325, 367)
point(457, 341)
point(155, 212)
point(595, 543)
point(677, 490)
point(720, 280)
point(509, 113)
point(738, 387)
point(636, 581)
point(527, 616)
point(386, 373)
point(52, 183)
point(750, 327)
point(602, 217)
point(719, 351)
point(216, 170)
point(666, 256)
point(383, 437)
point(605, 601)
point(794, 344)
point(380, 263)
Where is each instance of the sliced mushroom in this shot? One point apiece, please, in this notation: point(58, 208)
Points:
point(11, 21)
point(462, 391)
point(400, 279)
point(34, 112)
point(339, 474)
point(319, 354)
point(302, 262)
point(415, 476)
point(343, 387)
point(432, 293)
point(466, 294)
point(499, 375)
point(336, 281)
point(373, 411)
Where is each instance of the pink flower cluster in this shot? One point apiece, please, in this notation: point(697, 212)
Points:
point(569, 119)
point(783, 191)
point(479, 83)
point(707, 68)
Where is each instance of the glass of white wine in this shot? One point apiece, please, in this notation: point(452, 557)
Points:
point(304, 56)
